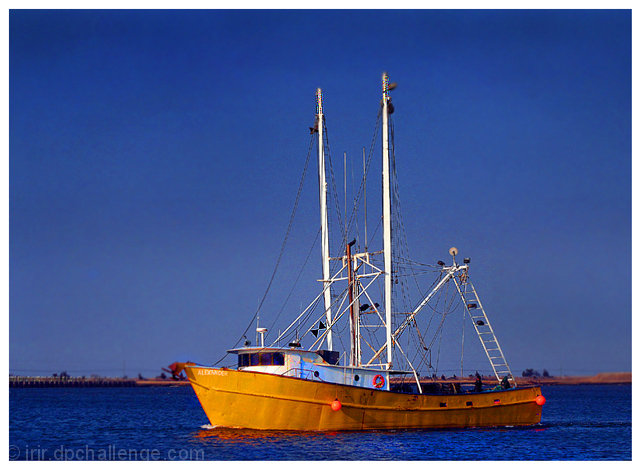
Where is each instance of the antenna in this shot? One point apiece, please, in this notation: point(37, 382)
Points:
point(355, 208)
point(345, 196)
point(364, 177)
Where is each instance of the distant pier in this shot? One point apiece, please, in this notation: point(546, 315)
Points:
point(51, 382)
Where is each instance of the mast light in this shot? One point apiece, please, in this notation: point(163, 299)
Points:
point(319, 101)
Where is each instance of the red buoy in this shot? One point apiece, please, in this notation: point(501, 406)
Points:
point(336, 405)
point(540, 400)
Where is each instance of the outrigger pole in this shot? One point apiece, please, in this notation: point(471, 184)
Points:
point(326, 276)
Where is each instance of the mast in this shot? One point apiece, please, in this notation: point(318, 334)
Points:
point(386, 215)
point(323, 217)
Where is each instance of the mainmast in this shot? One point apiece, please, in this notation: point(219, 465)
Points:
point(326, 276)
point(386, 215)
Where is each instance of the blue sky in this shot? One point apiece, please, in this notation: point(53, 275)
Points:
point(155, 158)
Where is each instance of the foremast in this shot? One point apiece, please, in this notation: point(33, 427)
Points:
point(386, 219)
point(324, 225)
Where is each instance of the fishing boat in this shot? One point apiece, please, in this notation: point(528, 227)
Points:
point(310, 384)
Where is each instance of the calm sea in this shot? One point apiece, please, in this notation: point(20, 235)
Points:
point(578, 422)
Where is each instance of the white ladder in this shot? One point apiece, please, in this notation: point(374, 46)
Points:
point(483, 328)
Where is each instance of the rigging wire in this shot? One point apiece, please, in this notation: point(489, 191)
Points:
point(363, 181)
point(404, 269)
point(404, 266)
point(295, 283)
point(334, 191)
point(284, 243)
point(302, 319)
point(407, 268)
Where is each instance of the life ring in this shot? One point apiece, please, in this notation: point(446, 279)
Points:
point(378, 381)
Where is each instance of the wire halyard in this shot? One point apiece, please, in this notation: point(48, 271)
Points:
point(362, 183)
point(295, 283)
point(282, 248)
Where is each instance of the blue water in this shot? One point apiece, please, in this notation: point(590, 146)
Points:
point(578, 423)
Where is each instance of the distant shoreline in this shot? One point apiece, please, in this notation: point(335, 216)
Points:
point(47, 382)
point(600, 378)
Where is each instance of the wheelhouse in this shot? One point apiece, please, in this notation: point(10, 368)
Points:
point(318, 365)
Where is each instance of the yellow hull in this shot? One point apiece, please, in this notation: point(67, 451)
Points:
point(244, 399)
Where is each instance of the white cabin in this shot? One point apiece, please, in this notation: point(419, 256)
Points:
point(320, 365)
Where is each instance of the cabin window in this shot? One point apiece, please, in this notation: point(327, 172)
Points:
point(243, 360)
point(265, 359)
point(260, 359)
